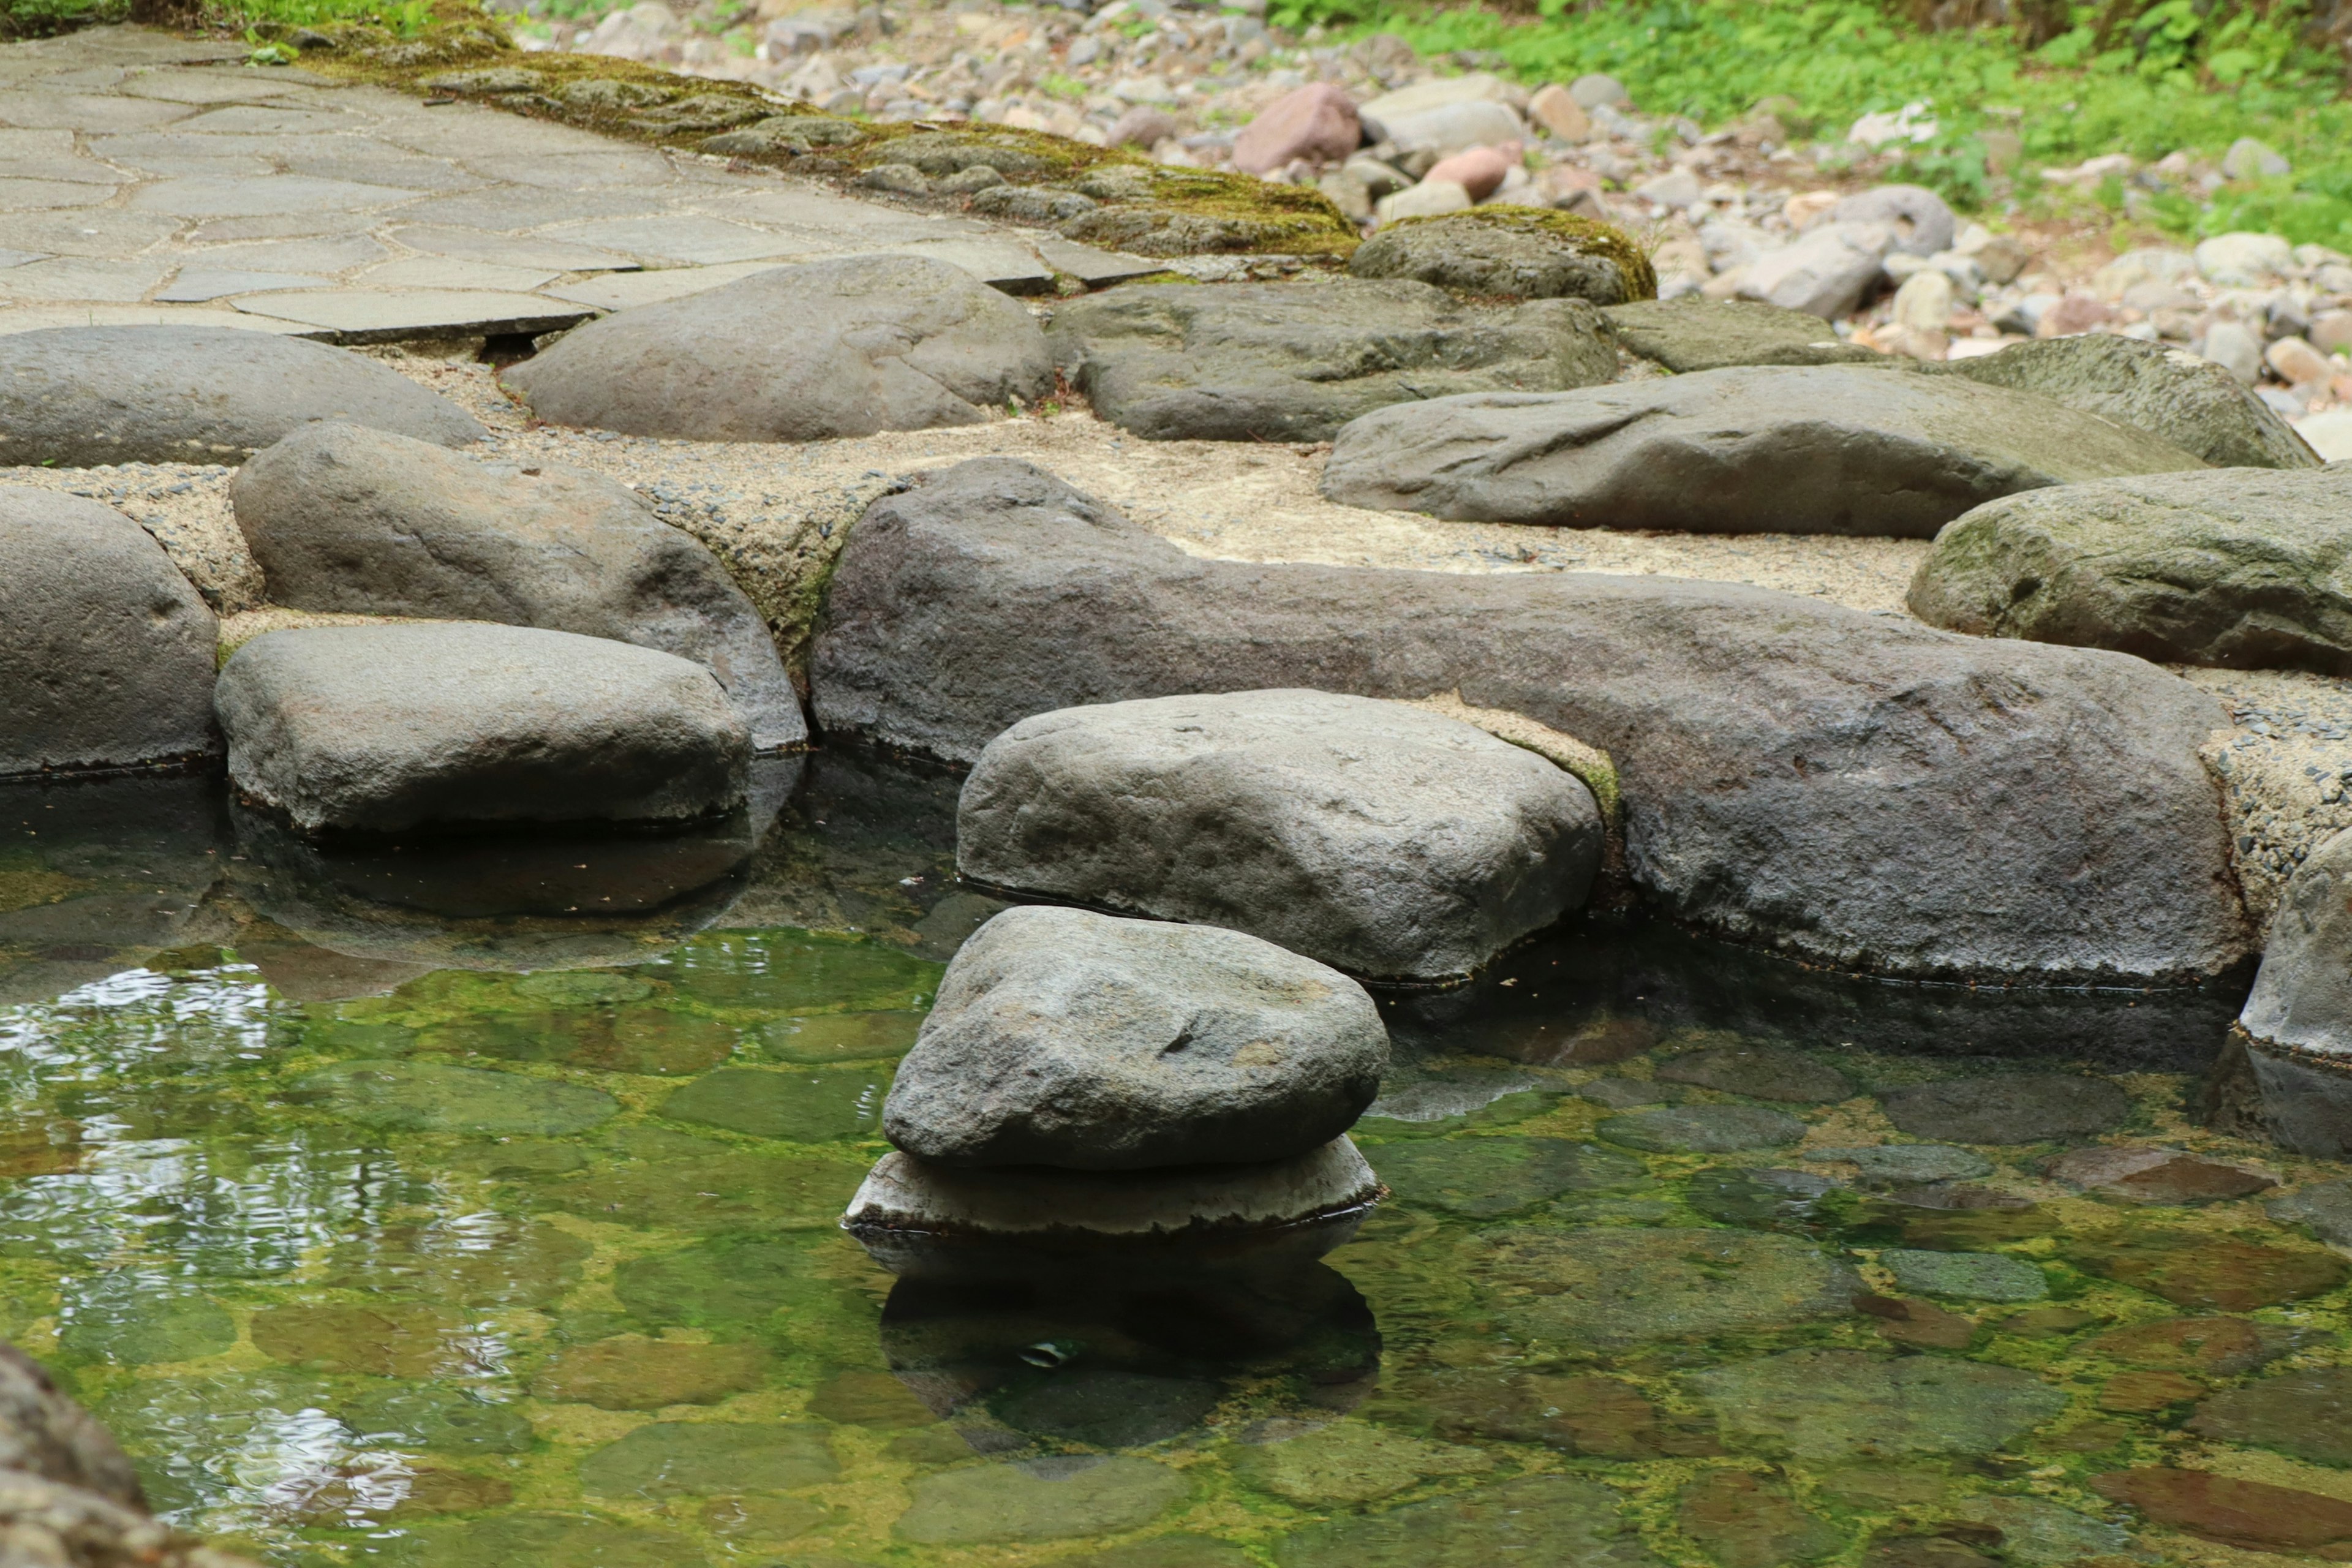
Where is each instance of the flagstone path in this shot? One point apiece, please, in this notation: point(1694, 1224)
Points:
point(145, 177)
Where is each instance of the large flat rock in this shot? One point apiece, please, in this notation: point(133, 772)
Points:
point(83, 396)
point(1853, 788)
point(1295, 362)
point(1081, 1041)
point(1387, 840)
point(797, 354)
point(2244, 568)
point(1798, 449)
point(1697, 334)
point(107, 660)
point(373, 730)
point(347, 519)
point(2165, 390)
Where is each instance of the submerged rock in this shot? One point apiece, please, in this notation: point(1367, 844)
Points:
point(1384, 839)
point(2190, 1268)
point(2143, 1175)
point(1703, 1128)
point(1827, 1404)
point(82, 395)
point(1969, 1276)
point(844, 348)
point(2009, 1107)
point(1294, 362)
point(1532, 1519)
point(384, 729)
point(108, 658)
point(2174, 395)
point(1607, 1288)
point(707, 1458)
point(346, 519)
point(994, 591)
point(1080, 1041)
point(1039, 1499)
point(2240, 568)
point(1760, 1072)
point(1349, 1463)
point(1485, 1177)
point(2240, 1513)
point(1800, 450)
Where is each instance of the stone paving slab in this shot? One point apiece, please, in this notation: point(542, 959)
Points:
point(153, 178)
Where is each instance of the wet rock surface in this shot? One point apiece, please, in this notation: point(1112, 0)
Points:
point(379, 728)
point(1798, 449)
point(874, 343)
point(1296, 362)
point(1085, 1042)
point(2239, 568)
point(346, 519)
point(109, 656)
point(1382, 839)
point(1822, 1404)
point(79, 395)
point(986, 595)
point(1530, 1514)
point(1609, 1288)
point(2023, 1107)
point(2174, 395)
point(1703, 1129)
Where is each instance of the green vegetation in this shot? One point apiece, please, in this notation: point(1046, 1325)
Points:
point(2142, 80)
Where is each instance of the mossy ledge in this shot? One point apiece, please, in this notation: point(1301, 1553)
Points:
point(1590, 237)
point(1139, 206)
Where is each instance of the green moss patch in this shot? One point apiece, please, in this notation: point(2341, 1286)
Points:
point(1398, 249)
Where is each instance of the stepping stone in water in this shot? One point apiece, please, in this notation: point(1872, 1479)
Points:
point(2013, 1108)
point(1041, 1500)
point(845, 348)
point(384, 729)
point(1076, 1040)
point(1820, 1406)
point(2306, 1413)
point(1290, 361)
point(108, 657)
point(1703, 1129)
point(81, 395)
point(647, 1375)
point(2143, 1175)
point(1534, 1519)
point(426, 1097)
point(1969, 1276)
point(343, 518)
point(2171, 393)
point(1908, 1163)
point(1607, 1288)
point(1382, 839)
point(2240, 568)
point(1483, 1177)
point(707, 1458)
point(1732, 451)
point(1760, 1072)
point(1349, 1463)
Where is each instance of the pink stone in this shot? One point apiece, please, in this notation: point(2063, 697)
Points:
point(1317, 122)
point(1479, 171)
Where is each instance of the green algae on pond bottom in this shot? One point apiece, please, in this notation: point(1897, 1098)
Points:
point(544, 1267)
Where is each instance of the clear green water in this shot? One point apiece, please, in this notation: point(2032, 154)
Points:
point(370, 1250)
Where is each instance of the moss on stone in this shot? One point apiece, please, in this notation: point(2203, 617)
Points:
point(1589, 237)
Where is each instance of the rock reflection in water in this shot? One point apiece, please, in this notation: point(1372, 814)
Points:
point(1012, 1350)
point(2298, 1102)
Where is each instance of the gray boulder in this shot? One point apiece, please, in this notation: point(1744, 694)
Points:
point(1800, 450)
point(2244, 568)
point(384, 729)
point(797, 354)
point(2302, 998)
point(1825, 272)
point(1697, 334)
point(83, 396)
point(1856, 789)
point(2171, 393)
point(341, 517)
point(1923, 224)
point(1294, 362)
point(108, 659)
point(1386, 840)
point(1525, 253)
point(1085, 1042)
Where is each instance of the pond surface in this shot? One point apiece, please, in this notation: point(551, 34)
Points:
point(475, 1206)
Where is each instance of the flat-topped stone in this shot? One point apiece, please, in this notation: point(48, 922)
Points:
point(1856, 789)
point(2244, 568)
point(346, 519)
point(1386, 839)
point(106, 657)
point(1085, 1042)
point(1697, 334)
point(1294, 362)
point(842, 348)
point(83, 396)
point(387, 729)
point(1526, 253)
point(1800, 449)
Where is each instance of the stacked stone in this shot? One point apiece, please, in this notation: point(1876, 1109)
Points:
point(1084, 1076)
